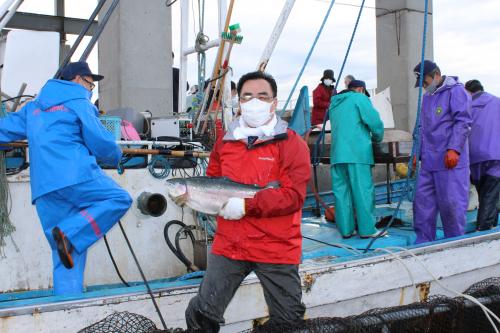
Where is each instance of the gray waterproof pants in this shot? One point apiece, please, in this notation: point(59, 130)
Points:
point(488, 188)
point(281, 284)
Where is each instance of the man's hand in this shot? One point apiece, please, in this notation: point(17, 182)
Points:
point(233, 209)
point(451, 159)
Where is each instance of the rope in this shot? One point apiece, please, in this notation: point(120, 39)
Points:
point(321, 136)
point(165, 167)
point(308, 56)
point(415, 152)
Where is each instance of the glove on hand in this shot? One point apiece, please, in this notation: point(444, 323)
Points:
point(451, 159)
point(233, 209)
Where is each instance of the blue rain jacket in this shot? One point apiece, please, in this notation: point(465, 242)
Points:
point(65, 135)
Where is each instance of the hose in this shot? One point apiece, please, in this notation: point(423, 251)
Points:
point(313, 184)
point(191, 267)
point(176, 250)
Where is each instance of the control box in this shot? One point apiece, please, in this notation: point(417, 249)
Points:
point(172, 126)
point(185, 129)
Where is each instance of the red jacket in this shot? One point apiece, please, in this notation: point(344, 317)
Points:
point(321, 102)
point(270, 230)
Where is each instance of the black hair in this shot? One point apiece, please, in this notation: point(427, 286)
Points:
point(473, 86)
point(233, 85)
point(258, 76)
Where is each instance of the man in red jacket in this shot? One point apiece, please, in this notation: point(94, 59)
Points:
point(261, 234)
point(321, 97)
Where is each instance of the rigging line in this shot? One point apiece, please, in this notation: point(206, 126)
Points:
point(415, 152)
point(350, 43)
point(170, 3)
point(321, 137)
point(352, 5)
point(194, 20)
point(308, 56)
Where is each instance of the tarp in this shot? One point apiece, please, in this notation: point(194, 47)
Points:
point(300, 121)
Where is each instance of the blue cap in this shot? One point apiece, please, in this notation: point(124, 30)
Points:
point(71, 70)
point(429, 67)
point(358, 84)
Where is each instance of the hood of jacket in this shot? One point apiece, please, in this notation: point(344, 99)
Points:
point(448, 83)
point(57, 92)
point(481, 98)
point(343, 96)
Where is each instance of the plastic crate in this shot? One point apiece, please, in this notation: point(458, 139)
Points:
point(112, 124)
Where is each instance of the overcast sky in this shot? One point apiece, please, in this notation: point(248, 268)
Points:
point(465, 35)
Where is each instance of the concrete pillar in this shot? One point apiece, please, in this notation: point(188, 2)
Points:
point(399, 48)
point(135, 57)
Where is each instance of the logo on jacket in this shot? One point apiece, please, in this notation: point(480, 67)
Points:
point(439, 110)
point(266, 158)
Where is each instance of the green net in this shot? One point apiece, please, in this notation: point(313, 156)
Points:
point(6, 226)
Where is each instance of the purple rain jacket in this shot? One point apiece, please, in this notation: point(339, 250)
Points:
point(445, 124)
point(484, 141)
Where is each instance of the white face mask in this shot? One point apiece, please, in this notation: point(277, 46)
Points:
point(431, 88)
point(255, 112)
point(328, 82)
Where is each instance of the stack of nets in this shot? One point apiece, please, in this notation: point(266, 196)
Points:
point(439, 314)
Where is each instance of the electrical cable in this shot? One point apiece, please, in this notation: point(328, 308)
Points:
point(13, 98)
point(114, 262)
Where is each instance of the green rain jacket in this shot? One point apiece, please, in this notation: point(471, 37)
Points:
point(355, 124)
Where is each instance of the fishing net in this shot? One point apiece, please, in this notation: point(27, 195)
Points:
point(6, 226)
point(122, 322)
point(439, 314)
point(126, 322)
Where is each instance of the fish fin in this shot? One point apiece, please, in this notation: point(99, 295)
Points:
point(180, 200)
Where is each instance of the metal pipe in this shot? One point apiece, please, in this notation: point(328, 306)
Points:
point(78, 40)
point(5, 7)
point(181, 105)
point(20, 93)
point(100, 28)
point(8, 15)
point(275, 35)
point(209, 45)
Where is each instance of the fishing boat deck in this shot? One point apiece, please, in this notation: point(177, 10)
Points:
point(316, 231)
